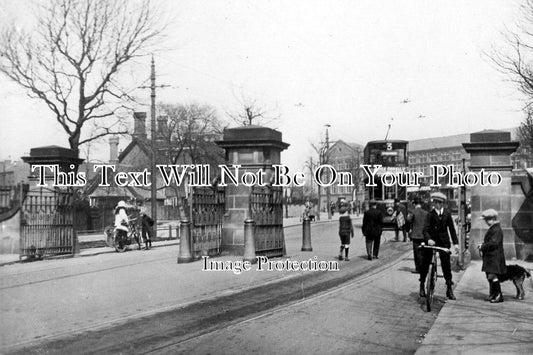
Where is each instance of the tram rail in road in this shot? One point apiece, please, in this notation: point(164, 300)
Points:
point(360, 280)
point(145, 334)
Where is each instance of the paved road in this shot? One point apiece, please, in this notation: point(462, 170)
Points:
point(142, 300)
point(379, 314)
point(51, 298)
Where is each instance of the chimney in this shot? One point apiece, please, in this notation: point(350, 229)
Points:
point(113, 150)
point(139, 125)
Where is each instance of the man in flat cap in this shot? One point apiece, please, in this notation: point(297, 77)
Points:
point(437, 231)
point(493, 255)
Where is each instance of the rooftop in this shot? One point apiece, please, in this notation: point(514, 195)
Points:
point(439, 142)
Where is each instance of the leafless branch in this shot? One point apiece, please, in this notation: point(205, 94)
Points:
point(252, 113)
point(73, 57)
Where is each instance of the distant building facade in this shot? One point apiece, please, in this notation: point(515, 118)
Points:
point(448, 150)
point(13, 171)
point(345, 157)
point(440, 150)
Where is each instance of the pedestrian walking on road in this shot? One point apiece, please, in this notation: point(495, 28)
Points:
point(493, 255)
point(345, 230)
point(147, 224)
point(437, 232)
point(372, 229)
point(399, 215)
point(416, 234)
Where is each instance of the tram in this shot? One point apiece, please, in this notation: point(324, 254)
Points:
point(392, 155)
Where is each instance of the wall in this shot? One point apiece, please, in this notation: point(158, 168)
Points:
point(522, 211)
point(10, 235)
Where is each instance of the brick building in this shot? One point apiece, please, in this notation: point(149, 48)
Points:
point(448, 150)
point(345, 157)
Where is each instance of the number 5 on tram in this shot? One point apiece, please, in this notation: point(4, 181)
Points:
point(392, 155)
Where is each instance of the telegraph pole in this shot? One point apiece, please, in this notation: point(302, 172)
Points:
point(462, 221)
point(153, 136)
point(326, 161)
point(152, 146)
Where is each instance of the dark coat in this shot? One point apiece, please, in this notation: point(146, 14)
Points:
point(345, 226)
point(438, 227)
point(146, 223)
point(345, 229)
point(418, 223)
point(372, 223)
point(492, 249)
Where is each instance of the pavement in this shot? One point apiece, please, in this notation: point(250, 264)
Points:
point(468, 325)
point(471, 325)
point(87, 241)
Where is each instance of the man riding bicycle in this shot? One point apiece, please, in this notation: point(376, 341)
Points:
point(439, 223)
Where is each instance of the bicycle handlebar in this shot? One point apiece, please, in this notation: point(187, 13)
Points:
point(435, 248)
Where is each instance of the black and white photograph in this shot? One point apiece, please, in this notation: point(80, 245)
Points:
point(266, 177)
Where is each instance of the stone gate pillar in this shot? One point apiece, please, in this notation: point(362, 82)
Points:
point(522, 205)
point(47, 219)
point(253, 148)
point(66, 159)
point(491, 150)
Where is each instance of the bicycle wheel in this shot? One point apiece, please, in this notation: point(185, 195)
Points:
point(120, 243)
point(109, 236)
point(430, 286)
point(120, 247)
point(137, 239)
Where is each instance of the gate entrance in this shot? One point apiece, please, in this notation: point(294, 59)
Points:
point(266, 210)
point(46, 223)
point(207, 217)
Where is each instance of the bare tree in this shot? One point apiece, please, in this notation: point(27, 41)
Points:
point(251, 112)
point(72, 59)
point(191, 134)
point(190, 139)
point(354, 167)
point(515, 59)
point(525, 130)
point(322, 150)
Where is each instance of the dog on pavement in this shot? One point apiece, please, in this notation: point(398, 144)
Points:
point(517, 274)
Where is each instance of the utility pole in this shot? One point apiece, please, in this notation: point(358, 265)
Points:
point(326, 161)
point(153, 135)
point(462, 221)
point(153, 155)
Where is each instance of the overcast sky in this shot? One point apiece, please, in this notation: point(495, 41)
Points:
point(350, 64)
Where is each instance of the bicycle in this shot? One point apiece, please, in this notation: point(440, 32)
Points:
point(431, 278)
point(121, 243)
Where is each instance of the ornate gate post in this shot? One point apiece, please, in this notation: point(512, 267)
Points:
point(255, 149)
point(491, 150)
point(47, 225)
